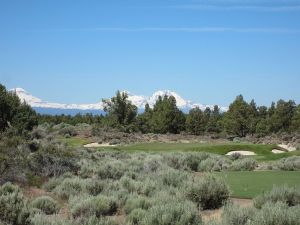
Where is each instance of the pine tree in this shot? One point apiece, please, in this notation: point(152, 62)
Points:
point(195, 121)
point(237, 119)
point(120, 111)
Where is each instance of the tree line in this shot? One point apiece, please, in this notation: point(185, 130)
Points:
point(14, 114)
point(242, 118)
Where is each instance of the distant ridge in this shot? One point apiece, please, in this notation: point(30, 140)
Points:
point(140, 101)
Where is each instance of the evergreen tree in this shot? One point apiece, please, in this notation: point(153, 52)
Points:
point(253, 117)
point(166, 117)
point(15, 114)
point(195, 121)
point(120, 111)
point(237, 119)
point(295, 124)
point(143, 120)
point(214, 124)
point(281, 119)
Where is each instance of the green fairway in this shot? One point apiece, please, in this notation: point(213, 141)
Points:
point(74, 141)
point(250, 184)
point(264, 152)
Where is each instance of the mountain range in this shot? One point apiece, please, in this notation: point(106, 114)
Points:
point(140, 101)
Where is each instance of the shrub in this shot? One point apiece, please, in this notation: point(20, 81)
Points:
point(129, 184)
point(121, 196)
point(38, 132)
point(171, 177)
point(46, 204)
point(52, 183)
point(152, 163)
point(245, 164)
point(277, 214)
point(82, 206)
point(13, 207)
point(172, 213)
point(96, 221)
point(214, 163)
point(235, 215)
point(94, 187)
point(13, 163)
point(52, 160)
point(136, 217)
point(174, 160)
point(136, 202)
point(70, 187)
point(33, 145)
point(290, 163)
point(208, 192)
point(68, 130)
point(206, 165)
point(147, 187)
point(105, 205)
point(88, 206)
point(288, 195)
point(41, 219)
point(192, 160)
point(115, 142)
point(111, 170)
point(235, 156)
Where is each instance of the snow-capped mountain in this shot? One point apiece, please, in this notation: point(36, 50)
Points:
point(138, 100)
point(37, 102)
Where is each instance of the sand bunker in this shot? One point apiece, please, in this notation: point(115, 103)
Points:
point(276, 151)
point(287, 147)
point(241, 152)
point(97, 145)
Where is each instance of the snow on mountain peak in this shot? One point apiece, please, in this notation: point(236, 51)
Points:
point(139, 100)
point(25, 96)
point(181, 103)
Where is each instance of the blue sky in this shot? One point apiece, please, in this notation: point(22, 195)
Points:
point(208, 51)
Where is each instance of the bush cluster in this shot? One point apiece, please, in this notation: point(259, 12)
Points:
point(245, 164)
point(208, 192)
point(136, 202)
point(291, 163)
point(277, 213)
point(46, 204)
point(13, 206)
point(285, 194)
point(171, 213)
point(86, 206)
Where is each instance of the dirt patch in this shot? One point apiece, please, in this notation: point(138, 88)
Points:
point(217, 213)
point(241, 152)
point(211, 215)
point(243, 202)
point(34, 192)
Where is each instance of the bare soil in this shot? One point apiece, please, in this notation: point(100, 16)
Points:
point(216, 213)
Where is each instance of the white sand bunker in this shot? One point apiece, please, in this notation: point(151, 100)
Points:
point(288, 147)
point(241, 153)
point(276, 151)
point(97, 145)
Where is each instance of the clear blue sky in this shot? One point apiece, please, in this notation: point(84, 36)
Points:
point(74, 51)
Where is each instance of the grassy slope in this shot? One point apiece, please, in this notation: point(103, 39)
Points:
point(242, 184)
point(263, 151)
point(74, 141)
point(250, 184)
